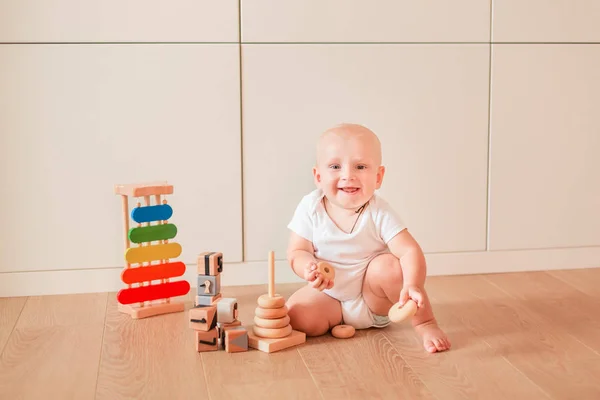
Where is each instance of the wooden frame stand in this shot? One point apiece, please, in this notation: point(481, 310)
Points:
point(149, 267)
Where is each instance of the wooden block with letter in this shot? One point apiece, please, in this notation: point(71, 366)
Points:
point(207, 340)
point(236, 339)
point(210, 263)
point(272, 331)
point(208, 285)
point(203, 318)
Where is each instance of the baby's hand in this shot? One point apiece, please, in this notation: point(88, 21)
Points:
point(315, 279)
point(411, 293)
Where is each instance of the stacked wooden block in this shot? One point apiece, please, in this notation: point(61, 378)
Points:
point(214, 317)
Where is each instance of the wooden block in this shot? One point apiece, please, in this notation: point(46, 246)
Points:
point(273, 345)
point(144, 189)
point(203, 318)
point(236, 339)
point(225, 325)
point(207, 340)
point(208, 285)
point(210, 263)
point(222, 326)
point(208, 300)
point(139, 312)
point(227, 309)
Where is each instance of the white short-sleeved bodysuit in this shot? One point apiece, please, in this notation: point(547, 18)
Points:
point(349, 253)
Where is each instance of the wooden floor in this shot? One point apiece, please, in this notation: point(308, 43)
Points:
point(515, 336)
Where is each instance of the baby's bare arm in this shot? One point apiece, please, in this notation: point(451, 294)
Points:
point(300, 253)
point(412, 259)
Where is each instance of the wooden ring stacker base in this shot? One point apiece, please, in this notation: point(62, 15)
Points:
point(326, 270)
point(272, 323)
point(343, 331)
point(271, 313)
point(399, 313)
point(266, 301)
point(274, 333)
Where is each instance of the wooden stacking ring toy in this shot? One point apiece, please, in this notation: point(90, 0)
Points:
point(343, 331)
point(271, 313)
point(326, 270)
point(266, 301)
point(399, 313)
point(272, 333)
point(272, 323)
point(272, 329)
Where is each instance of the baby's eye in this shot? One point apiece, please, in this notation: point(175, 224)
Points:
point(361, 167)
point(334, 166)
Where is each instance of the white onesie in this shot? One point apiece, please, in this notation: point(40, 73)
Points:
point(349, 253)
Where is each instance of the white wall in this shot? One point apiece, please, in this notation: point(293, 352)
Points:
point(488, 119)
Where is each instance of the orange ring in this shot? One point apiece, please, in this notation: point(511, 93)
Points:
point(271, 313)
point(272, 333)
point(272, 323)
point(266, 301)
point(326, 270)
point(399, 313)
point(343, 331)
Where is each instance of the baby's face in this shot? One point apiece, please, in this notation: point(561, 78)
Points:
point(348, 168)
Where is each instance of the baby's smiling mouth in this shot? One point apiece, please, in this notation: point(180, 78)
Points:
point(349, 189)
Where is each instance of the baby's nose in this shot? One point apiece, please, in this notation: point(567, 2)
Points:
point(348, 174)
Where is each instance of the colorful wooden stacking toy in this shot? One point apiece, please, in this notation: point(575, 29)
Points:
point(150, 264)
point(272, 331)
point(214, 317)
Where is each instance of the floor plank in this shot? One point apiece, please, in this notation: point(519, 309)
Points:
point(472, 367)
point(563, 337)
point(150, 358)
point(585, 280)
point(54, 349)
point(556, 303)
point(366, 366)
point(10, 309)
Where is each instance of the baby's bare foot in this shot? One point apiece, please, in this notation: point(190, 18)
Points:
point(434, 339)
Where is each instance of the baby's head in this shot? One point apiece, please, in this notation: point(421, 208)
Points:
point(348, 167)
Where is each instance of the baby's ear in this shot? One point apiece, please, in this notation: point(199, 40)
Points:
point(380, 173)
point(316, 175)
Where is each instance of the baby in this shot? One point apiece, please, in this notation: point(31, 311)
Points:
point(345, 223)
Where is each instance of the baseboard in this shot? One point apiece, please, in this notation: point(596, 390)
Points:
point(14, 284)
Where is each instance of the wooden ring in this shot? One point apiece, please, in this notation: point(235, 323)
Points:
point(266, 301)
point(399, 313)
point(271, 313)
point(343, 331)
point(272, 323)
point(326, 270)
point(274, 333)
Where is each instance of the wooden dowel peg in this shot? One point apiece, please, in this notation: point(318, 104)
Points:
point(271, 274)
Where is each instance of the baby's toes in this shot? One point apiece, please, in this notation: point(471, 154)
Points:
point(438, 344)
point(430, 346)
point(447, 343)
point(443, 345)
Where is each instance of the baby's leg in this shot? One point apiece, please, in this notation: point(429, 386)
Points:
point(381, 290)
point(313, 312)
